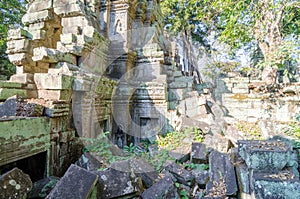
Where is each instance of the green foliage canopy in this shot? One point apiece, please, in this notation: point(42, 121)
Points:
point(11, 12)
point(239, 22)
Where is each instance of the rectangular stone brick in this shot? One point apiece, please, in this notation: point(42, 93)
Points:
point(19, 59)
point(198, 154)
point(19, 33)
point(60, 95)
point(30, 18)
point(18, 46)
point(76, 183)
point(53, 81)
point(39, 6)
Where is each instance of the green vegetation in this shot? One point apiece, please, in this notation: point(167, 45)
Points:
point(270, 28)
point(102, 147)
point(250, 130)
point(11, 14)
point(173, 140)
point(191, 166)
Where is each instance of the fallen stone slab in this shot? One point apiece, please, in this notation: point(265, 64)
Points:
point(115, 183)
point(76, 183)
point(276, 185)
point(265, 155)
point(198, 155)
point(182, 175)
point(164, 188)
point(89, 161)
point(9, 107)
point(140, 168)
point(201, 177)
point(15, 184)
point(221, 170)
point(181, 154)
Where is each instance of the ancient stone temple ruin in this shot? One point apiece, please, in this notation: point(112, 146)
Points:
point(86, 67)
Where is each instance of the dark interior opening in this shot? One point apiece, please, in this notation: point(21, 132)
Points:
point(34, 166)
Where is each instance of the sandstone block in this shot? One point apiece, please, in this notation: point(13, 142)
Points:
point(25, 69)
point(38, 34)
point(18, 46)
point(49, 55)
point(53, 81)
point(114, 183)
point(70, 10)
point(60, 3)
point(22, 78)
point(20, 59)
point(15, 184)
point(9, 107)
point(36, 26)
point(68, 38)
point(39, 6)
point(198, 154)
point(182, 175)
point(8, 92)
point(70, 67)
point(30, 18)
point(164, 188)
point(76, 183)
point(221, 169)
point(19, 33)
point(265, 155)
point(81, 85)
point(17, 135)
point(59, 95)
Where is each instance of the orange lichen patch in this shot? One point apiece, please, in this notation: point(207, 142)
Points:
point(239, 96)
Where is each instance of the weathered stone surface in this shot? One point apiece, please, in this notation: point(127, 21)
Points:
point(19, 33)
point(276, 185)
point(48, 55)
point(76, 183)
point(9, 107)
point(22, 78)
point(69, 10)
point(182, 175)
point(164, 188)
point(181, 154)
point(201, 177)
point(198, 154)
point(18, 46)
point(9, 92)
point(81, 85)
point(265, 155)
point(222, 170)
point(43, 187)
point(20, 59)
point(23, 137)
point(39, 6)
point(89, 161)
point(53, 81)
point(15, 184)
point(140, 167)
point(44, 15)
point(114, 183)
point(59, 95)
point(57, 109)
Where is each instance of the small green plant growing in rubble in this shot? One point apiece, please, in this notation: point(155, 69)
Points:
point(250, 130)
point(100, 145)
point(196, 166)
point(173, 140)
point(294, 130)
point(130, 148)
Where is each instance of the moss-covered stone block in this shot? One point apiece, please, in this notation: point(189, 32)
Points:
point(8, 92)
point(265, 155)
point(23, 137)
